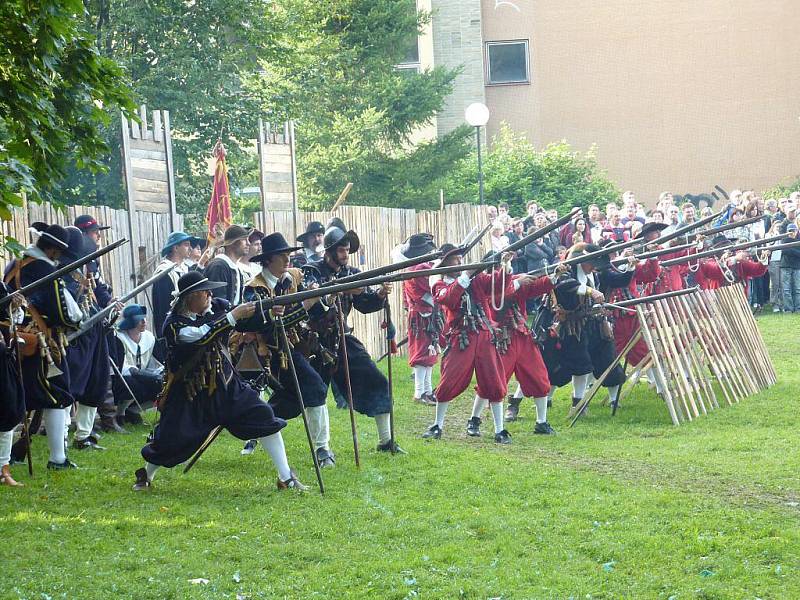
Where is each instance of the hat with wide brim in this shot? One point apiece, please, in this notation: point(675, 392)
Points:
point(234, 233)
point(175, 238)
point(132, 315)
point(75, 249)
point(337, 237)
point(56, 236)
point(651, 227)
point(449, 250)
point(194, 281)
point(313, 228)
point(272, 244)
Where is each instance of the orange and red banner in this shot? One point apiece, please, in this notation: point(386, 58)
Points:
point(219, 215)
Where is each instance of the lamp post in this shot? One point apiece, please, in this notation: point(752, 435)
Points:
point(477, 115)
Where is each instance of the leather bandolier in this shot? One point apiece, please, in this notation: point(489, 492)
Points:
point(258, 333)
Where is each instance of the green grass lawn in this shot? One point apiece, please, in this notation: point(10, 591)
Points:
point(625, 506)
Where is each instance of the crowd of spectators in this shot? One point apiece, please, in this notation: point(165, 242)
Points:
point(780, 287)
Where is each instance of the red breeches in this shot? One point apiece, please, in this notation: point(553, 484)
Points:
point(625, 326)
point(479, 357)
point(419, 350)
point(524, 360)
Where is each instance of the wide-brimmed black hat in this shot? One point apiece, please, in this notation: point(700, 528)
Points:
point(338, 237)
point(56, 236)
point(88, 223)
point(721, 241)
point(651, 227)
point(313, 228)
point(449, 250)
point(194, 281)
point(75, 249)
point(419, 244)
point(132, 315)
point(272, 244)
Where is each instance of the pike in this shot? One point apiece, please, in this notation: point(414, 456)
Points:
point(100, 315)
point(721, 250)
point(64, 270)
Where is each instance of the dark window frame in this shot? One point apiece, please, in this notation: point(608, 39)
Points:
point(488, 74)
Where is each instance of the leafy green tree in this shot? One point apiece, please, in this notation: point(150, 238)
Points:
point(782, 190)
point(55, 95)
point(356, 112)
point(515, 172)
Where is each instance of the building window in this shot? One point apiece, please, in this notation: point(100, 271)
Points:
point(507, 62)
point(410, 62)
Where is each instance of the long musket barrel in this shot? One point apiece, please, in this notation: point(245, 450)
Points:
point(681, 231)
point(469, 242)
point(655, 253)
point(645, 299)
point(344, 287)
point(575, 260)
point(64, 270)
point(100, 315)
point(721, 250)
point(539, 233)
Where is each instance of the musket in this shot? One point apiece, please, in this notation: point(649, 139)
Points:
point(681, 231)
point(731, 225)
point(102, 314)
point(352, 285)
point(655, 253)
point(466, 246)
point(64, 270)
point(539, 233)
point(722, 250)
point(645, 299)
point(575, 260)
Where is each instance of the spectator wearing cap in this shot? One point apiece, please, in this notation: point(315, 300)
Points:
point(132, 353)
point(790, 272)
point(225, 266)
point(311, 239)
point(51, 310)
point(176, 250)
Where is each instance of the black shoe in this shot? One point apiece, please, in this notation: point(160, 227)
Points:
point(512, 410)
point(90, 443)
point(549, 403)
point(142, 482)
point(249, 447)
point(132, 418)
point(325, 458)
point(391, 446)
point(67, 464)
point(474, 427)
point(544, 429)
point(503, 437)
point(434, 432)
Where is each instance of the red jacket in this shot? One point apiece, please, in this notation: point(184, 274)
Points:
point(450, 296)
point(414, 290)
point(710, 276)
point(505, 316)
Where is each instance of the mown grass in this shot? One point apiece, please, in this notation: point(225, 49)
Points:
point(628, 506)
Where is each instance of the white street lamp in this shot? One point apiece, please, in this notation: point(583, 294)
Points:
point(477, 115)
